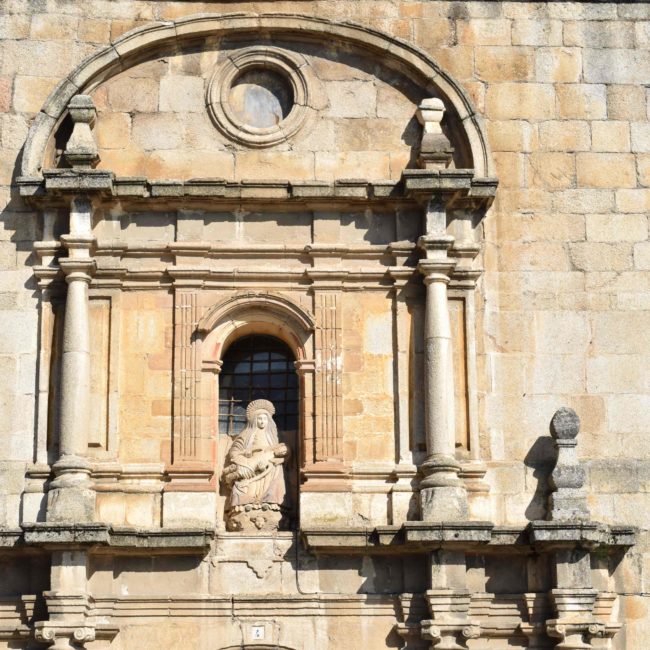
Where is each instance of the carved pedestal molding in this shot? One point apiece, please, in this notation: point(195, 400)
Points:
point(71, 497)
point(443, 496)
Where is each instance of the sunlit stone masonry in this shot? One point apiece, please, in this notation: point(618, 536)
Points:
point(325, 325)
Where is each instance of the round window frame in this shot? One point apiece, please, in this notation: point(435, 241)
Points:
point(220, 86)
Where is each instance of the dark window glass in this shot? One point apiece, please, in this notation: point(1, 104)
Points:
point(257, 367)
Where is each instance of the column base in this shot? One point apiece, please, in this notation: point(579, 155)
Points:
point(444, 503)
point(71, 504)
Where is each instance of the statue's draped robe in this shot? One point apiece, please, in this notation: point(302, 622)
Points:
point(266, 483)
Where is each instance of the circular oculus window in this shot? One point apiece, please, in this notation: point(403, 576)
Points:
point(257, 97)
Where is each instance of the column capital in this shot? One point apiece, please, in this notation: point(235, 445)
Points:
point(436, 271)
point(78, 268)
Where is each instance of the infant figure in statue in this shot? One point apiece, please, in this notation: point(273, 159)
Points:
point(254, 473)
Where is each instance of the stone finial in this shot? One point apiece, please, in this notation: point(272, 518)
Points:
point(568, 500)
point(81, 150)
point(435, 150)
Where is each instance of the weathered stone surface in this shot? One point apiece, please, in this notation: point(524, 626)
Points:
point(549, 295)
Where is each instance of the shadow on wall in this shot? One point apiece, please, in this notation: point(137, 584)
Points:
point(541, 458)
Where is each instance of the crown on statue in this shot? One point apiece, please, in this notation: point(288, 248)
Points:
point(260, 405)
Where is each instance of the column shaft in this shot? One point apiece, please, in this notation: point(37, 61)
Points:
point(75, 369)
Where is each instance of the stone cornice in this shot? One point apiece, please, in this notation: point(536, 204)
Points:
point(419, 537)
point(55, 187)
point(104, 536)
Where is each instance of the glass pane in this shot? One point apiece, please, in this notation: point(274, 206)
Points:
point(242, 380)
point(260, 366)
point(278, 381)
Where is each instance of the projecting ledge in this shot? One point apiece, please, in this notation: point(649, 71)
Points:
point(421, 536)
point(108, 538)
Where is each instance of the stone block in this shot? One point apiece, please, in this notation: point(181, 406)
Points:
point(94, 31)
point(518, 136)
point(621, 333)
point(554, 64)
point(499, 64)
point(333, 166)
point(17, 27)
point(618, 373)
point(510, 168)
point(520, 101)
point(538, 32)
point(324, 508)
point(156, 131)
point(13, 131)
point(564, 135)
point(111, 508)
point(626, 102)
point(643, 167)
point(582, 101)
point(642, 256)
point(640, 137)
point(189, 509)
point(561, 332)
point(140, 510)
point(5, 93)
point(25, 56)
point(553, 374)
point(270, 165)
point(484, 31)
point(583, 201)
point(534, 256)
point(599, 34)
point(617, 227)
point(182, 94)
point(551, 170)
point(113, 131)
point(49, 27)
point(30, 93)
point(596, 256)
point(616, 66)
point(132, 94)
point(351, 98)
point(599, 170)
point(610, 136)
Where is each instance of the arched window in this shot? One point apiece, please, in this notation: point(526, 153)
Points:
point(257, 367)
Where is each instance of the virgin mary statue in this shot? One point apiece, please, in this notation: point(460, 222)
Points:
point(254, 474)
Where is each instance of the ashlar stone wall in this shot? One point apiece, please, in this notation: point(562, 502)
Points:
point(562, 309)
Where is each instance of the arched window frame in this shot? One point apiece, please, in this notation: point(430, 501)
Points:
point(266, 314)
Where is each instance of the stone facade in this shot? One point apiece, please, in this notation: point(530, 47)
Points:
point(438, 209)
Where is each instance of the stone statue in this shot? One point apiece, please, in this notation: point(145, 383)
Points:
point(254, 474)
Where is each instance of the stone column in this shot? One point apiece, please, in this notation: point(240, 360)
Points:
point(443, 496)
point(71, 497)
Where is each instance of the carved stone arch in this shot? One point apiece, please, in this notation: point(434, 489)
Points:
point(137, 44)
point(256, 313)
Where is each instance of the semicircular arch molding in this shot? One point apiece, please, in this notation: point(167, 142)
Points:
point(256, 313)
point(135, 45)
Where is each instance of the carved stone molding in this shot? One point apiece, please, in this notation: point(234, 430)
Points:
point(291, 73)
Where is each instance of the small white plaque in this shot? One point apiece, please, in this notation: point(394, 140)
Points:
point(257, 632)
